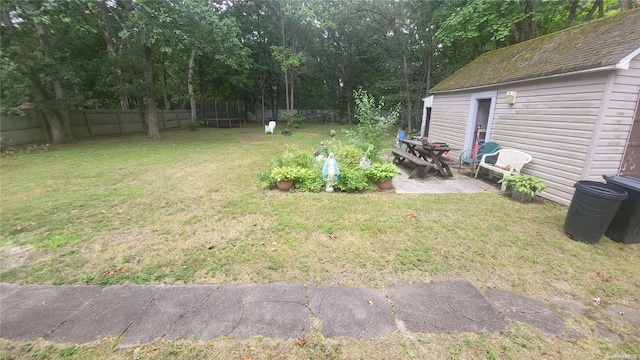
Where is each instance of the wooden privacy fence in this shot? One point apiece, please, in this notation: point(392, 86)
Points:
point(87, 123)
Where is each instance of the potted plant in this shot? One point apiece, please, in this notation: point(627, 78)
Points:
point(382, 174)
point(523, 187)
point(284, 176)
point(286, 132)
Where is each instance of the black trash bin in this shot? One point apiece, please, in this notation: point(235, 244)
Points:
point(625, 226)
point(593, 206)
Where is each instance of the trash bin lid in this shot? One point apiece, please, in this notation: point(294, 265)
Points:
point(628, 182)
point(601, 190)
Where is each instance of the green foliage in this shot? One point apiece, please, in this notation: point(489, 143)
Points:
point(306, 171)
point(372, 125)
point(310, 179)
point(294, 164)
point(293, 120)
point(348, 156)
point(280, 173)
point(192, 125)
point(382, 171)
point(293, 156)
point(524, 183)
point(352, 179)
point(286, 58)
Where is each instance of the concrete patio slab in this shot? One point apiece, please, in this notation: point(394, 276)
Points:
point(526, 310)
point(354, 312)
point(444, 307)
point(35, 311)
point(165, 310)
point(109, 313)
point(459, 183)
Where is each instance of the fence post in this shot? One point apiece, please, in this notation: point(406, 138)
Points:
point(119, 122)
point(86, 121)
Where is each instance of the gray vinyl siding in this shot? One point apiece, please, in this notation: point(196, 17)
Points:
point(616, 123)
point(553, 121)
point(575, 127)
point(449, 120)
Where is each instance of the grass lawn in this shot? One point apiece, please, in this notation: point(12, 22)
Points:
point(190, 209)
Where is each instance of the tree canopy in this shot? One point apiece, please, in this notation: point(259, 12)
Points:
point(295, 54)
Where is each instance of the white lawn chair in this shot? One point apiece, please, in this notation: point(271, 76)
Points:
point(268, 129)
point(509, 162)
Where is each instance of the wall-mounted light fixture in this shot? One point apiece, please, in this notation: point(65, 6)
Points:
point(511, 97)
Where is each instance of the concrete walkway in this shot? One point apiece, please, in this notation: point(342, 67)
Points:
point(143, 313)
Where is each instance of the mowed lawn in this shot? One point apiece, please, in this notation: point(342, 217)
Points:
point(190, 210)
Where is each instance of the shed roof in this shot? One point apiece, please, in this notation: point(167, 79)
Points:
point(605, 42)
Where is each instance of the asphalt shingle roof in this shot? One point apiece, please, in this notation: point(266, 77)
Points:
point(599, 43)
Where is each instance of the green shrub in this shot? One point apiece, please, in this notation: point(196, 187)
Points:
point(524, 183)
point(346, 155)
point(352, 179)
point(282, 173)
point(294, 121)
point(295, 157)
point(382, 171)
point(309, 180)
point(372, 125)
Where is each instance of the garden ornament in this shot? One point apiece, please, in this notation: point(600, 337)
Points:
point(330, 172)
point(365, 163)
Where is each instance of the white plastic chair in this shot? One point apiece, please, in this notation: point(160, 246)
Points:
point(509, 162)
point(268, 129)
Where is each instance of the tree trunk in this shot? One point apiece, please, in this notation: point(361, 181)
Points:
point(60, 123)
point(625, 4)
point(408, 89)
point(152, 114)
point(165, 96)
point(192, 97)
point(59, 132)
point(262, 88)
point(572, 13)
point(291, 94)
point(597, 5)
point(111, 50)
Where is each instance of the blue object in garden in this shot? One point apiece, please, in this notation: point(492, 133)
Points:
point(330, 172)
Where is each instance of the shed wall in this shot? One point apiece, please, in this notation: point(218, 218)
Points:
point(449, 119)
point(612, 139)
point(553, 120)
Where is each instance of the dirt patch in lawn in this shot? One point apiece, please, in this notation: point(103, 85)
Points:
point(14, 256)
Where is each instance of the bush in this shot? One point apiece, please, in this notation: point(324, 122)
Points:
point(524, 183)
point(372, 126)
point(293, 120)
point(382, 171)
point(309, 180)
point(282, 173)
point(352, 179)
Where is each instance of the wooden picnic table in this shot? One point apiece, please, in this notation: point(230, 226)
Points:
point(431, 151)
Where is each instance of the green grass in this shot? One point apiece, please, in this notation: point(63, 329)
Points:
point(190, 209)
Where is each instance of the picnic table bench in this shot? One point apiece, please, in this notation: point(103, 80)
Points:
point(422, 166)
point(425, 154)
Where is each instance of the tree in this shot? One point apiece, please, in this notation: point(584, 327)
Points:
point(35, 44)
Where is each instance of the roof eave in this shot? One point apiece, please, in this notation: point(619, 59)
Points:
point(624, 63)
point(619, 65)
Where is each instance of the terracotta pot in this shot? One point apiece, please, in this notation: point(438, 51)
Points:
point(284, 185)
point(385, 184)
